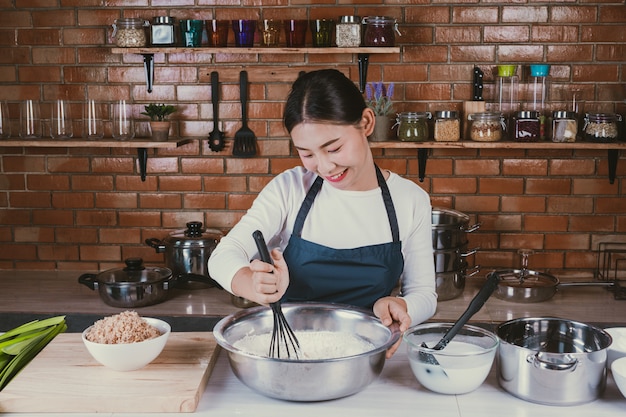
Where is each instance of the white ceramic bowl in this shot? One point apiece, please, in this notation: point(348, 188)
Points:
point(618, 347)
point(130, 356)
point(618, 369)
point(463, 364)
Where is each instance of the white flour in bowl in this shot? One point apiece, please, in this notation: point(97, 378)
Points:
point(313, 344)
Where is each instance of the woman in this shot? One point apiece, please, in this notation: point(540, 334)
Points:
point(342, 230)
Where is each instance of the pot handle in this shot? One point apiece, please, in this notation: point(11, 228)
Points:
point(475, 269)
point(469, 252)
point(88, 280)
point(540, 363)
point(157, 244)
point(472, 228)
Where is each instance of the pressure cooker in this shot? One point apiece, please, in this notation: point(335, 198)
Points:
point(187, 252)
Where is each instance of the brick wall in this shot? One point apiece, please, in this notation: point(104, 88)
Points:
point(87, 209)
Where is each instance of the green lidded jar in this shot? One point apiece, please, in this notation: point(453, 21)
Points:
point(413, 126)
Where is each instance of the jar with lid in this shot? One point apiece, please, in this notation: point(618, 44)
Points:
point(564, 126)
point(527, 126)
point(447, 126)
point(162, 31)
point(602, 127)
point(380, 31)
point(486, 127)
point(413, 126)
point(130, 32)
point(348, 32)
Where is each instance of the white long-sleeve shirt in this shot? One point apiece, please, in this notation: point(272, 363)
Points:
point(338, 219)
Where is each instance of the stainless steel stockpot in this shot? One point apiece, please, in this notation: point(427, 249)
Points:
point(552, 361)
point(450, 285)
point(450, 228)
point(448, 260)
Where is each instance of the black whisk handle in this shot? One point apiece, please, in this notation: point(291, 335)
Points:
point(264, 253)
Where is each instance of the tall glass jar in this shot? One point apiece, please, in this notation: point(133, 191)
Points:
point(413, 126)
point(162, 31)
point(447, 126)
point(130, 32)
point(486, 127)
point(602, 127)
point(380, 31)
point(527, 126)
point(348, 32)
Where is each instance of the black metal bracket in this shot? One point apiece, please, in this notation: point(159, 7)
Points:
point(148, 66)
point(363, 63)
point(422, 157)
point(142, 157)
point(613, 156)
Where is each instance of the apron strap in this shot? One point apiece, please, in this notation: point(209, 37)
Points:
point(391, 211)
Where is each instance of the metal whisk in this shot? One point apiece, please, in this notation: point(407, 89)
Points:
point(282, 334)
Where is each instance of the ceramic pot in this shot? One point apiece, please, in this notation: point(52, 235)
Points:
point(382, 129)
point(160, 130)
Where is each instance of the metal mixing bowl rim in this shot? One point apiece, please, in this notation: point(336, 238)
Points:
point(442, 352)
point(221, 325)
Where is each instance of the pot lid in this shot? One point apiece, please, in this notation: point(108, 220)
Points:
point(526, 278)
point(194, 235)
point(134, 272)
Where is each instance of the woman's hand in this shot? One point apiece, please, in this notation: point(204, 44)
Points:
point(269, 282)
point(393, 310)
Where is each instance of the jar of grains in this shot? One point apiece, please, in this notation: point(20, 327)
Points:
point(447, 126)
point(348, 32)
point(486, 127)
point(564, 126)
point(413, 126)
point(527, 126)
point(380, 31)
point(129, 32)
point(601, 127)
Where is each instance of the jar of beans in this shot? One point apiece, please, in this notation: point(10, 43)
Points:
point(486, 127)
point(413, 126)
point(447, 126)
point(527, 126)
point(564, 126)
point(602, 127)
point(348, 32)
point(130, 32)
point(380, 31)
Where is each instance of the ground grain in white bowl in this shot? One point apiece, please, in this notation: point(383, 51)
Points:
point(125, 327)
point(313, 344)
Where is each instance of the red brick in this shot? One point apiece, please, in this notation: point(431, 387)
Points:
point(240, 201)
point(554, 34)
point(521, 240)
point(116, 200)
point(139, 219)
point(524, 167)
point(54, 217)
point(100, 253)
point(547, 223)
point(496, 222)
point(573, 14)
point(160, 201)
point(119, 235)
point(96, 218)
point(76, 235)
point(567, 241)
point(523, 204)
point(506, 34)
point(602, 34)
point(526, 13)
point(58, 252)
point(569, 205)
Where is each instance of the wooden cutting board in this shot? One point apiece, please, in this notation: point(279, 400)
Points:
point(65, 378)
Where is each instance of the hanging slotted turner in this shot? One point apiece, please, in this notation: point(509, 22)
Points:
point(216, 137)
point(245, 140)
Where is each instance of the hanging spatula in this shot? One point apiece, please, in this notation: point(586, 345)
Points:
point(216, 137)
point(245, 140)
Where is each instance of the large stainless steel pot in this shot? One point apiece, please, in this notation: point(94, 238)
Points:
point(448, 260)
point(133, 286)
point(186, 254)
point(450, 285)
point(450, 228)
point(552, 361)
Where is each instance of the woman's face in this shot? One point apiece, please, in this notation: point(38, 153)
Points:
point(338, 153)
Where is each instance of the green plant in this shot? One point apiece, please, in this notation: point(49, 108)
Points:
point(158, 112)
point(378, 98)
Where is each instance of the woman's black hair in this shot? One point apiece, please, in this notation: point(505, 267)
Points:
point(323, 96)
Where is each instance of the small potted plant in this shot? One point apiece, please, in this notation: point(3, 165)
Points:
point(159, 123)
point(378, 98)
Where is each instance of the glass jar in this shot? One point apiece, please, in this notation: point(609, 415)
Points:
point(564, 126)
point(601, 127)
point(162, 31)
point(413, 126)
point(527, 126)
point(486, 127)
point(129, 32)
point(447, 126)
point(348, 32)
point(380, 31)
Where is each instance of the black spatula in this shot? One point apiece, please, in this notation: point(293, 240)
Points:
point(245, 140)
point(216, 137)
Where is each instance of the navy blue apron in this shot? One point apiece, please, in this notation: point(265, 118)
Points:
point(358, 276)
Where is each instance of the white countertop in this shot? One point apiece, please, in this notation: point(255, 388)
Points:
point(396, 389)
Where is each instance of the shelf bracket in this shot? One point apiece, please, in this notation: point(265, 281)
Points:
point(363, 63)
point(422, 157)
point(148, 66)
point(142, 157)
point(613, 156)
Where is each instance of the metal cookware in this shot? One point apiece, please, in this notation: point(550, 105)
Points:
point(135, 285)
point(450, 285)
point(447, 260)
point(187, 252)
point(552, 361)
point(450, 228)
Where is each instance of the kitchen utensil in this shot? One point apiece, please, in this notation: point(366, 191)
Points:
point(476, 105)
point(474, 306)
point(187, 252)
point(618, 369)
point(447, 260)
point(245, 140)
point(450, 228)
point(307, 380)
point(552, 361)
point(282, 334)
point(450, 285)
point(216, 137)
point(133, 286)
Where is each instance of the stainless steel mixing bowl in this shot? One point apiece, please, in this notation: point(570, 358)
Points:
point(307, 380)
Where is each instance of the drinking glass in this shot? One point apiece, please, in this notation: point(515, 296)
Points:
point(322, 32)
point(30, 120)
point(93, 125)
point(61, 120)
point(295, 32)
point(217, 32)
point(192, 32)
point(244, 32)
point(122, 121)
point(5, 127)
point(270, 32)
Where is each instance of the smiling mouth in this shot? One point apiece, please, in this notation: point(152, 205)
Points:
point(336, 177)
